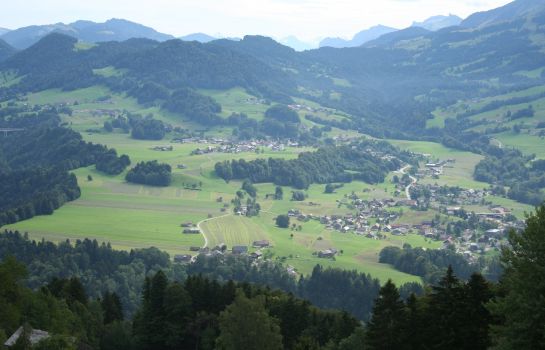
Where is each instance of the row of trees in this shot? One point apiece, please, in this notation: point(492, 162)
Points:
point(430, 264)
point(204, 314)
point(150, 173)
point(326, 165)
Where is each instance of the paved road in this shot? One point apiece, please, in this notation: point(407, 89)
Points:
point(413, 181)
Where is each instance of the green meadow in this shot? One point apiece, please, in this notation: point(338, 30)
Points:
point(134, 216)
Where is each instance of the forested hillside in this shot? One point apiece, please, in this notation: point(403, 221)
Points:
point(36, 159)
point(393, 86)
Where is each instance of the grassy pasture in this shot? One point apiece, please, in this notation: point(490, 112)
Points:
point(134, 216)
point(237, 100)
point(461, 173)
point(475, 104)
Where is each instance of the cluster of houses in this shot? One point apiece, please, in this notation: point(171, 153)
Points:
point(472, 243)
point(189, 228)
point(221, 250)
point(300, 107)
point(435, 169)
point(245, 146)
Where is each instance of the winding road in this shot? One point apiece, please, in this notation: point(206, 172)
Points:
point(413, 181)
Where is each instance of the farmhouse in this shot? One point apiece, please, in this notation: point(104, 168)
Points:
point(327, 254)
point(162, 148)
point(256, 255)
point(239, 249)
point(192, 230)
point(183, 258)
point(261, 244)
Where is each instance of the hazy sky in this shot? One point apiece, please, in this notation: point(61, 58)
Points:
point(307, 19)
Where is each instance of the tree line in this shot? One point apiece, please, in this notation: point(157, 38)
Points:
point(431, 264)
point(150, 173)
point(326, 165)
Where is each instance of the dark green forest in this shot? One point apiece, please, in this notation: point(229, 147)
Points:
point(35, 163)
point(150, 173)
point(360, 161)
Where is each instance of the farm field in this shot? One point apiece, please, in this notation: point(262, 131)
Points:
point(134, 216)
point(528, 144)
point(461, 173)
point(462, 106)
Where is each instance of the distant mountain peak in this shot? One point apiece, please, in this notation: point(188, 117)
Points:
point(439, 22)
point(200, 37)
point(297, 44)
point(360, 38)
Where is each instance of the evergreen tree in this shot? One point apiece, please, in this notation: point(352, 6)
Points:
point(278, 193)
point(385, 330)
point(446, 313)
point(475, 333)
point(246, 324)
point(112, 308)
point(283, 221)
point(523, 306)
point(177, 305)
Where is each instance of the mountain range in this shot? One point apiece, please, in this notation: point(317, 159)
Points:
point(111, 30)
point(120, 30)
point(358, 39)
point(386, 82)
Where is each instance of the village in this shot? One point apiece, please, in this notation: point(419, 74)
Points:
point(381, 219)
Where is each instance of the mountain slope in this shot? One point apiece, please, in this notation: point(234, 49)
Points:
point(3, 31)
point(439, 22)
point(6, 50)
point(358, 39)
point(509, 12)
point(111, 30)
point(390, 39)
point(53, 63)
